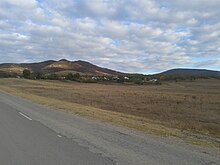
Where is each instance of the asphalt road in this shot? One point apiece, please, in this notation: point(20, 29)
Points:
point(24, 141)
point(31, 134)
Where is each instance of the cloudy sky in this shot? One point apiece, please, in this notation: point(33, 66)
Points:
point(144, 36)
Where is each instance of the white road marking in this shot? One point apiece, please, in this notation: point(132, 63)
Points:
point(25, 116)
point(59, 136)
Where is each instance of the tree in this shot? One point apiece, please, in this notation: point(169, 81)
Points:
point(69, 76)
point(4, 74)
point(120, 79)
point(38, 75)
point(138, 81)
point(26, 73)
point(76, 76)
point(73, 77)
point(53, 77)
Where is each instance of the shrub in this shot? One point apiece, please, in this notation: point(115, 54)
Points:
point(26, 73)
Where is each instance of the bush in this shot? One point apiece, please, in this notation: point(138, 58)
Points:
point(26, 73)
point(53, 77)
point(73, 77)
point(7, 75)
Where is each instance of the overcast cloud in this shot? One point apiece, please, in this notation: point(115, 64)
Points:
point(143, 36)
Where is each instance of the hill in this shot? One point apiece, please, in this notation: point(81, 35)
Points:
point(63, 67)
point(51, 66)
point(195, 73)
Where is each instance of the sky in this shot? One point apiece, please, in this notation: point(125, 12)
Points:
point(135, 36)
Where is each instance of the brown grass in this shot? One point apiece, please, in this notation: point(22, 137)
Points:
point(188, 110)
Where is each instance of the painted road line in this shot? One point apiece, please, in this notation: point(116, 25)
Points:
point(25, 116)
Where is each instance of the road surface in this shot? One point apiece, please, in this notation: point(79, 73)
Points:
point(31, 134)
point(24, 141)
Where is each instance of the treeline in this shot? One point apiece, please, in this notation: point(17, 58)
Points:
point(134, 79)
point(130, 78)
point(27, 74)
point(7, 75)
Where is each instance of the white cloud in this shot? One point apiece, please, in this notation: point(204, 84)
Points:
point(25, 4)
point(132, 36)
point(196, 4)
point(100, 7)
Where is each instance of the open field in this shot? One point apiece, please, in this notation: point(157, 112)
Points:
point(188, 110)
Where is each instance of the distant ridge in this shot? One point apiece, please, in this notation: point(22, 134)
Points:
point(203, 73)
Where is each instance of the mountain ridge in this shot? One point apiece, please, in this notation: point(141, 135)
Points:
point(191, 72)
point(87, 68)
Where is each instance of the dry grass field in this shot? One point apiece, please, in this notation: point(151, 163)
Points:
point(189, 110)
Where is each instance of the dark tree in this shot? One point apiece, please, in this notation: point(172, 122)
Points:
point(76, 76)
point(69, 76)
point(26, 73)
point(53, 77)
point(73, 77)
point(38, 75)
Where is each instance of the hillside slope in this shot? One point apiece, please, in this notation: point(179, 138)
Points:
point(51, 66)
point(202, 73)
